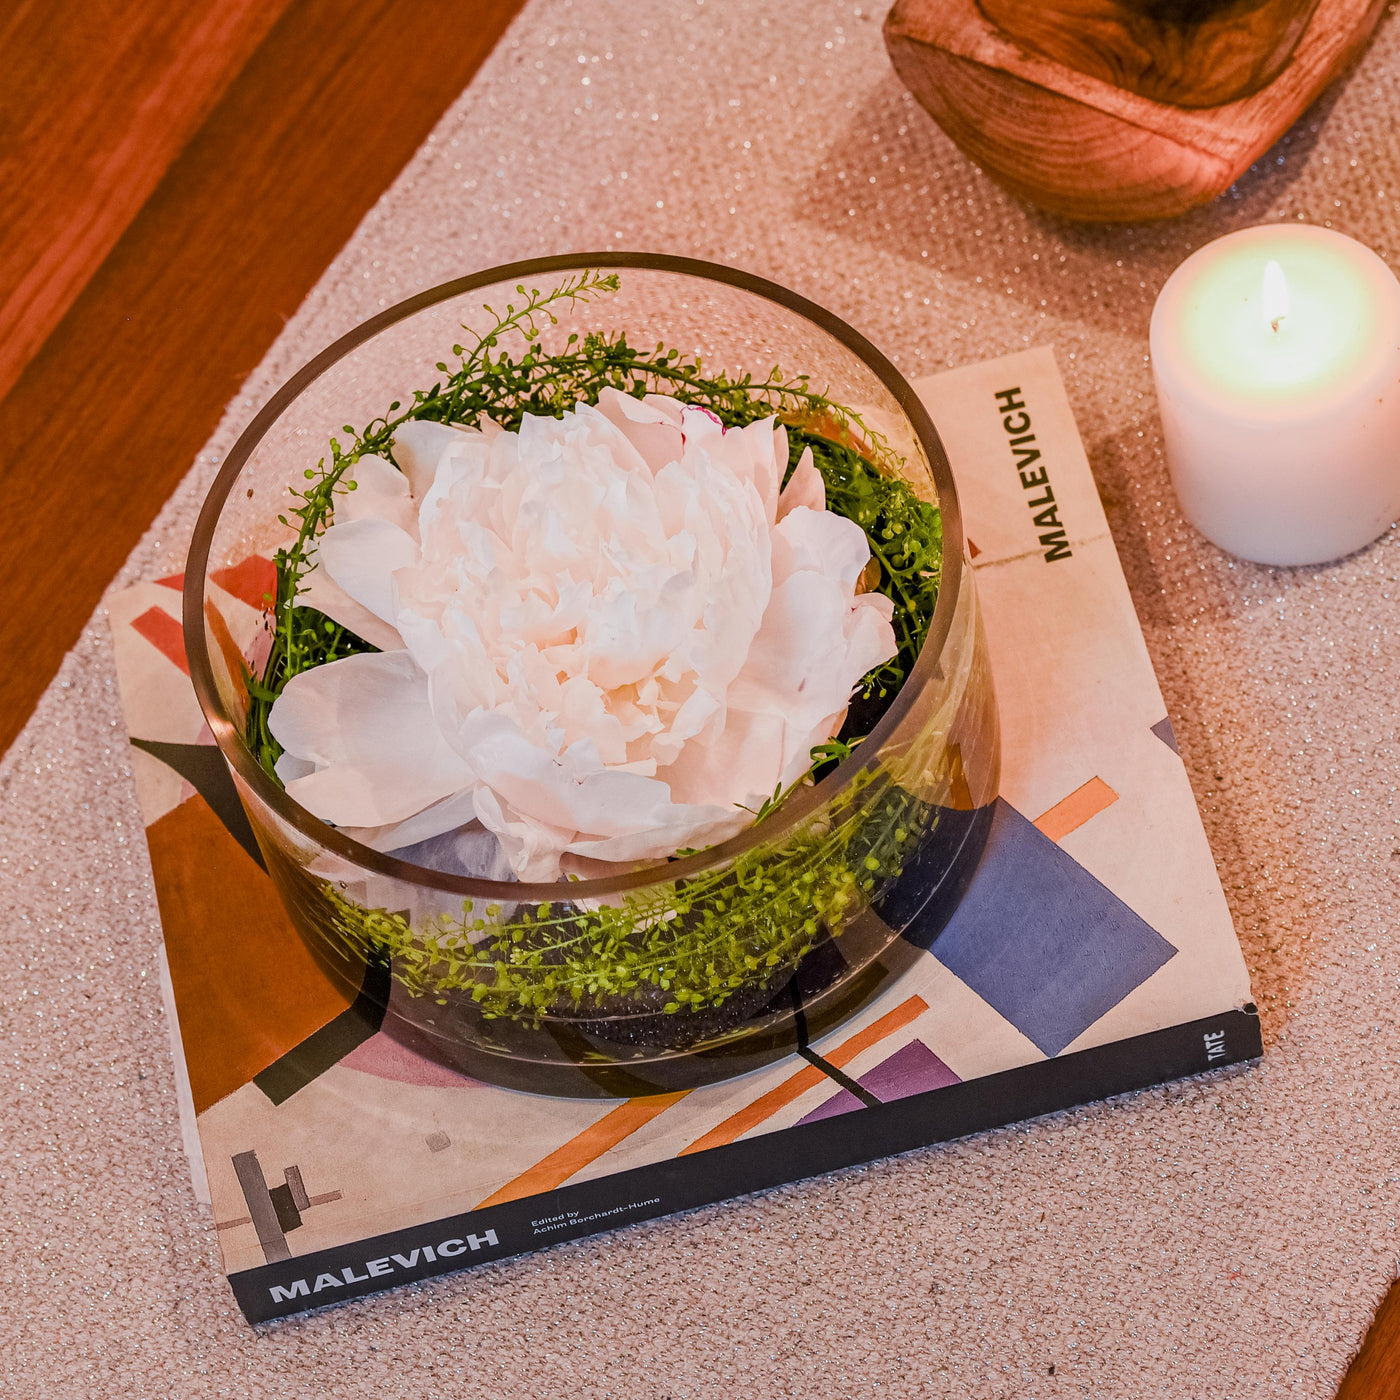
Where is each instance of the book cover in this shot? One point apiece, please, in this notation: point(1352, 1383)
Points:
point(1093, 953)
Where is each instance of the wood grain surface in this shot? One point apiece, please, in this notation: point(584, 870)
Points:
point(1375, 1373)
point(109, 413)
point(95, 106)
point(1195, 55)
point(1082, 147)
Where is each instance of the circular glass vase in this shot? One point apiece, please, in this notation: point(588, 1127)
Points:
point(685, 971)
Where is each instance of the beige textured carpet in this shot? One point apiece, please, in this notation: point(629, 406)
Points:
point(1220, 1238)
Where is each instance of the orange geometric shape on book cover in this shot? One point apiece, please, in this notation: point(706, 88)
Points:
point(1071, 812)
point(794, 1087)
point(959, 793)
point(165, 634)
point(584, 1147)
point(254, 581)
point(228, 648)
point(247, 987)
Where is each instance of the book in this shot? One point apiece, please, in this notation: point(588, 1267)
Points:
point(1092, 954)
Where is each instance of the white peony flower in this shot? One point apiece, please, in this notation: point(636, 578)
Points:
point(604, 635)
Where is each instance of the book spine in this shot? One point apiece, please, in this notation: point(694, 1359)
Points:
point(770, 1159)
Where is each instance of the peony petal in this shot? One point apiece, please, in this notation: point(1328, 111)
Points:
point(424, 640)
point(433, 822)
point(552, 799)
point(420, 446)
point(362, 556)
point(366, 723)
point(805, 487)
point(665, 840)
point(289, 767)
point(531, 848)
point(471, 852)
point(320, 591)
point(820, 541)
point(380, 491)
point(737, 767)
point(651, 425)
point(870, 639)
point(812, 650)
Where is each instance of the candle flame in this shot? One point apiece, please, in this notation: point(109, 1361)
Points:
point(1275, 298)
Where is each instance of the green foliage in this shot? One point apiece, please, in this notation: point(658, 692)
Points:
point(686, 946)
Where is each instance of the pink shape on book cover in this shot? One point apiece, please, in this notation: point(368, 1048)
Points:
point(252, 581)
point(165, 634)
point(388, 1058)
point(915, 1069)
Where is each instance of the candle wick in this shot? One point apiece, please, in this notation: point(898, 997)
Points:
point(1274, 323)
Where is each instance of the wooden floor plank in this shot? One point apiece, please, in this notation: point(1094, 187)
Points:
point(111, 411)
point(98, 101)
point(1375, 1373)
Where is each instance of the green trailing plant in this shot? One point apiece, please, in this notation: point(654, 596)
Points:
point(690, 944)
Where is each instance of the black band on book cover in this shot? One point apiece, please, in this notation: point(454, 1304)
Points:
point(313, 1056)
point(771, 1159)
point(804, 1049)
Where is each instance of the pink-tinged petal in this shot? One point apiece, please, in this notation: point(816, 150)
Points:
point(805, 487)
point(820, 541)
point(469, 851)
point(419, 447)
point(423, 638)
point(362, 556)
point(737, 766)
point(532, 848)
point(568, 794)
point(811, 652)
point(450, 814)
point(799, 646)
point(697, 710)
point(289, 768)
point(651, 425)
point(763, 439)
point(870, 639)
point(320, 591)
point(380, 492)
point(366, 723)
point(664, 840)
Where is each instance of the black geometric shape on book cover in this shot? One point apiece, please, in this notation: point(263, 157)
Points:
point(1042, 941)
point(1164, 731)
point(313, 1056)
point(203, 767)
point(261, 1209)
point(283, 1202)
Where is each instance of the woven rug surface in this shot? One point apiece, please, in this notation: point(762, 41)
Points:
point(1228, 1236)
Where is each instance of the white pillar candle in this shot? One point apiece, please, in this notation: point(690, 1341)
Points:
point(1276, 353)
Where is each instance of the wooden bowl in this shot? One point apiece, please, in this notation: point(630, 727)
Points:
point(1086, 147)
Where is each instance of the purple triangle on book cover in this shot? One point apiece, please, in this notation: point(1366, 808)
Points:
point(914, 1069)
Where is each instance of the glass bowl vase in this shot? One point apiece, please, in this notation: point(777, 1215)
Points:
point(680, 972)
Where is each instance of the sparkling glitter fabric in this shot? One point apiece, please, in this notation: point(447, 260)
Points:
point(1229, 1236)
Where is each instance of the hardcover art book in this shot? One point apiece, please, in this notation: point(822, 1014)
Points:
point(1092, 953)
